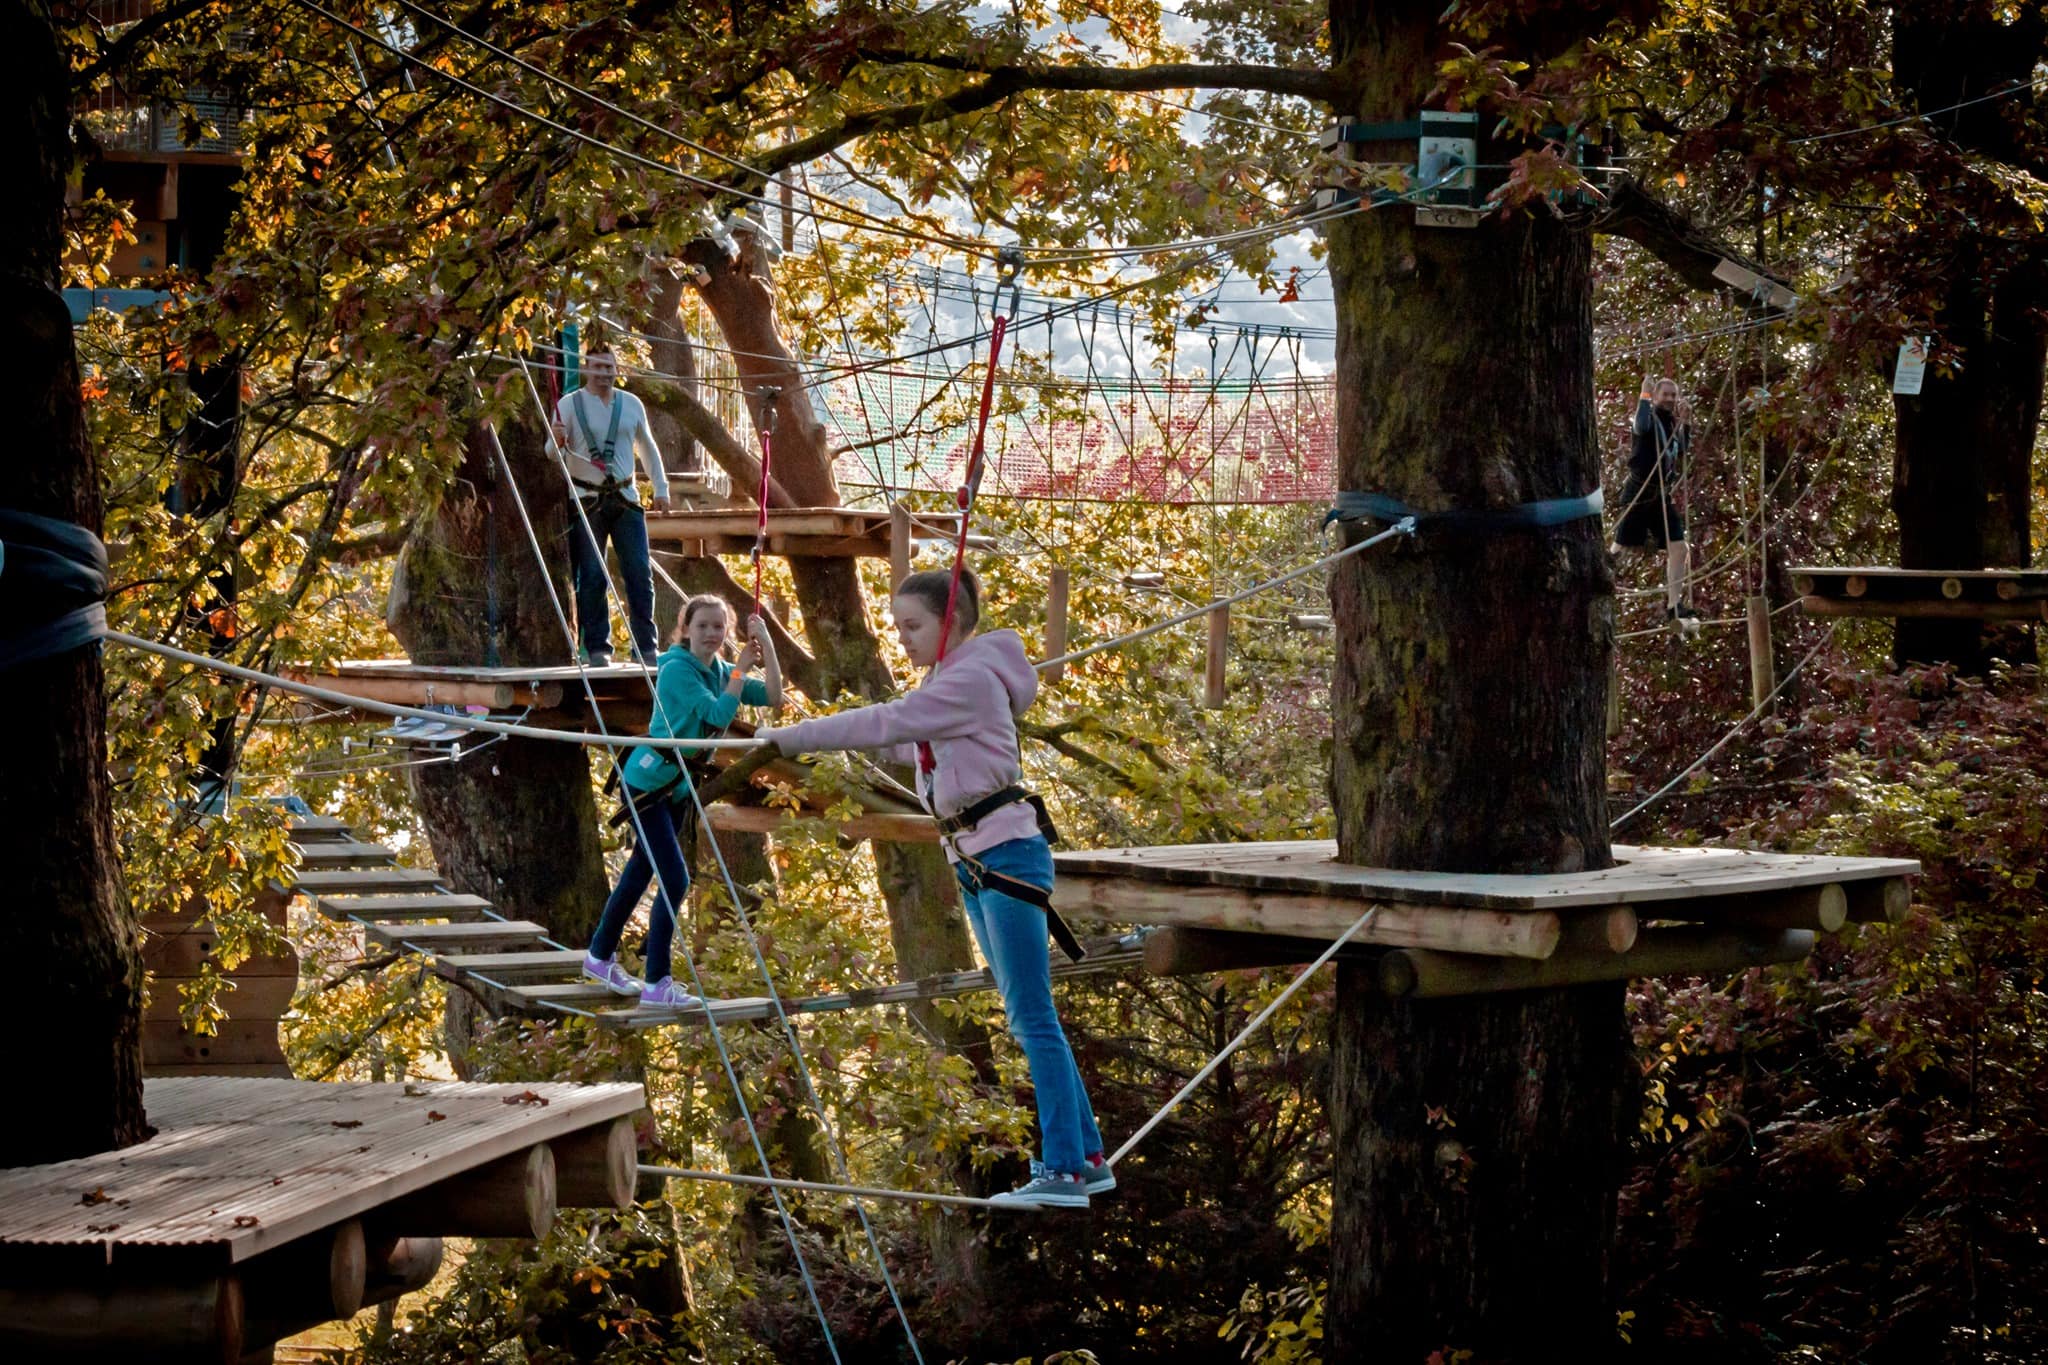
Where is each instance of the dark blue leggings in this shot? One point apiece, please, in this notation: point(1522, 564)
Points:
point(659, 820)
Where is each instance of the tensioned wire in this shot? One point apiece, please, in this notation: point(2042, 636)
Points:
point(675, 896)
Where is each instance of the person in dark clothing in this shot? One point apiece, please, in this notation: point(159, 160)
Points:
point(1652, 502)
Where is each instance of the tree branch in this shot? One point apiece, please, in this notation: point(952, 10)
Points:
point(1001, 82)
point(1666, 233)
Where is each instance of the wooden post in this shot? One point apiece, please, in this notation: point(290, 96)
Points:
point(1418, 973)
point(1215, 679)
point(899, 544)
point(68, 1317)
point(788, 193)
point(1824, 909)
point(1879, 902)
point(1614, 696)
point(1056, 623)
point(400, 1265)
point(511, 1197)
point(314, 1279)
point(1763, 669)
point(595, 1169)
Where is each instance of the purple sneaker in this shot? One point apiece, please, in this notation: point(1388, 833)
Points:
point(607, 972)
point(665, 994)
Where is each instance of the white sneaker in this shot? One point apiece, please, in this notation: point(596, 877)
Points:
point(1047, 1189)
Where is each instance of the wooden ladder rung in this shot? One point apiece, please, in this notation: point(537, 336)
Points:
point(534, 966)
point(429, 938)
point(344, 853)
point(583, 994)
point(319, 828)
point(364, 881)
point(449, 907)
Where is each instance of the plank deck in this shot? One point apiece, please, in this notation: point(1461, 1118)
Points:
point(1886, 592)
point(1642, 876)
point(241, 1165)
point(388, 908)
point(433, 938)
point(333, 853)
point(544, 965)
point(364, 881)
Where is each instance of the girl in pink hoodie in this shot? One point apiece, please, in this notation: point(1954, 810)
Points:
point(959, 730)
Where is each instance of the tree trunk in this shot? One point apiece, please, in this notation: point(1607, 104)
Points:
point(1469, 698)
point(1964, 450)
point(1962, 464)
point(517, 823)
point(68, 935)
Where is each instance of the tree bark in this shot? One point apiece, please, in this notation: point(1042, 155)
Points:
point(1963, 454)
point(1469, 705)
point(517, 823)
point(1962, 484)
point(68, 935)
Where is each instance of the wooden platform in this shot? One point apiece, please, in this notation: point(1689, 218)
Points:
point(1960, 594)
point(544, 687)
point(824, 532)
point(1456, 933)
point(261, 1207)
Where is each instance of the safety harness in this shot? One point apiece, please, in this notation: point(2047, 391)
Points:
point(602, 455)
point(983, 877)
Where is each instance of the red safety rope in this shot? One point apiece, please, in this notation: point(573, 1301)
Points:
point(769, 394)
point(1008, 264)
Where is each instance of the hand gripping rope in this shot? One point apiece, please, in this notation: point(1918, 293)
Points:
point(1009, 265)
point(769, 393)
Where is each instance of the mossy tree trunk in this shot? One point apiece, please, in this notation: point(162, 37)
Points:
point(67, 932)
point(1478, 1141)
point(517, 823)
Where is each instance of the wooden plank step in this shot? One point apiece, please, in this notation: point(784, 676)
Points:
point(586, 995)
point(367, 881)
point(431, 938)
point(345, 853)
point(313, 828)
point(450, 907)
point(542, 965)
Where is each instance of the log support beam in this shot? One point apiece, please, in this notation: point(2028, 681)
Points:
point(514, 1196)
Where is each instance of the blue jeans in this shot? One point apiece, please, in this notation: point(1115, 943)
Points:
point(658, 820)
point(1014, 939)
point(612, 518)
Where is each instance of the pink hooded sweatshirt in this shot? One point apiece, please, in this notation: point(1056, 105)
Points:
point(967, 710)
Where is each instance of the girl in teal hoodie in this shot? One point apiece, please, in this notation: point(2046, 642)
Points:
point(697, 693)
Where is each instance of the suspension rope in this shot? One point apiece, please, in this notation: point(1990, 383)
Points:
point(1723, 741)
point(769, 394)
point(836, 1145)
point(1008, 267)
point(1272, 1007)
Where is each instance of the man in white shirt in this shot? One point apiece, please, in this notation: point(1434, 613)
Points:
point(599, 426)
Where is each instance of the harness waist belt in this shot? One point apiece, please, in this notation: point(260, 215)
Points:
point(974, 813)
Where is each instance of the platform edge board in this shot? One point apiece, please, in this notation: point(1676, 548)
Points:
point(1644, 876)
point(570, 1108)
